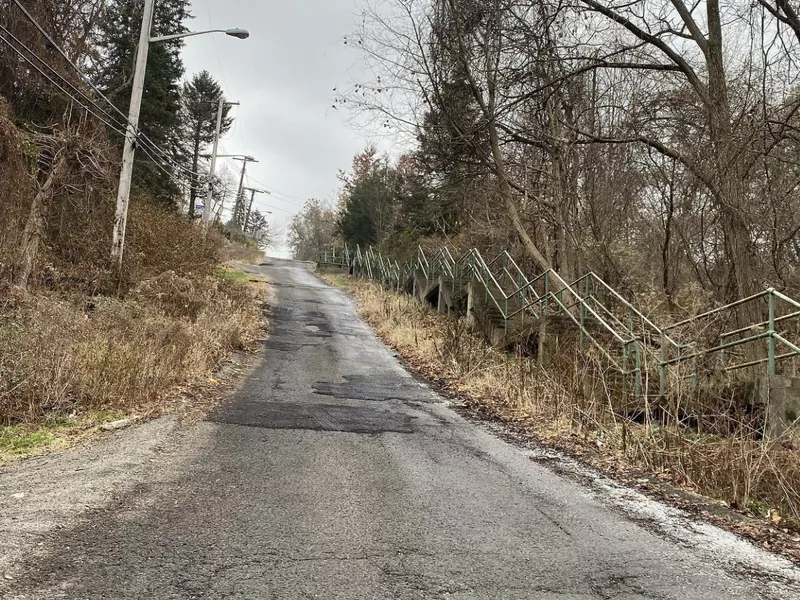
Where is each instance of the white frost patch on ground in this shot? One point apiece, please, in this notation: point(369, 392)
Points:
point(710, 541)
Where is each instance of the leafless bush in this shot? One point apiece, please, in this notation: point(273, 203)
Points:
point(66, 353)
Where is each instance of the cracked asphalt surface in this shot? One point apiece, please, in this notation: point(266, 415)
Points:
point(333, 473)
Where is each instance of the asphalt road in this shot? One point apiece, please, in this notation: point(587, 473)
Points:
point(335, 474)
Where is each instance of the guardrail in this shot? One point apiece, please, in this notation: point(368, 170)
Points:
point(602, 315)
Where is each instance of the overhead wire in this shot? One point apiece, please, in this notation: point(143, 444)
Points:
point(63, 79)
point(146, 145)
point(225, 85)
point(85, 78)
point(287, 197)
point(264, 200)
point(88, 108)
point(141, 136)
point(216, 52)
point(79, 103)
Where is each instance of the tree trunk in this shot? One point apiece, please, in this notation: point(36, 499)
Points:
point(666, 247)
point(739, 250)
point(512, 212)
point(34, 227)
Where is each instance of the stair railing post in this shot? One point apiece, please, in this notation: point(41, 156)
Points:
point(637, 382)
point(546, 290)
point(583, 308)
point(662, 367)
point(771, 332)
point(625, 369)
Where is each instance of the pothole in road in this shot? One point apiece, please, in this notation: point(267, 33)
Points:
point(283, 346)
point(365, 387)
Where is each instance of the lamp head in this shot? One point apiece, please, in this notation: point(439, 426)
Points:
point(242, 34)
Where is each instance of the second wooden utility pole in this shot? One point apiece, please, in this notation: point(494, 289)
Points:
point(207, 212)
point(239, 207)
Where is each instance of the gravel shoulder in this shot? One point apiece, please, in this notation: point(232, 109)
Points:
point(48, 492)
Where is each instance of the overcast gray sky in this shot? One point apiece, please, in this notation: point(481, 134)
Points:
point(284, 77)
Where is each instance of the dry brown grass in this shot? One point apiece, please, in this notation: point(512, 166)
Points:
point(83, 337)
point(235, 252)
point(62, 354)
point(570, 405)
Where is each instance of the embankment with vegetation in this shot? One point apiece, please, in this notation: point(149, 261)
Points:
point(84, 338)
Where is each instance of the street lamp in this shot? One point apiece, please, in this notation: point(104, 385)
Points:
point(242, 34)
point(131, 133)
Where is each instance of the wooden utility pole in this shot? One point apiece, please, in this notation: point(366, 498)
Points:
point(239, 207)
point(210, 191)
point(253, 193)
point(131, 136)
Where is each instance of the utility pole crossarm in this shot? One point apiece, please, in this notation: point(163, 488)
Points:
point(250, 206)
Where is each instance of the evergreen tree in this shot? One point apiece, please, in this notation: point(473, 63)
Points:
point(160, 117)
point(258, 229)
point(200, 102)
point(369, 203)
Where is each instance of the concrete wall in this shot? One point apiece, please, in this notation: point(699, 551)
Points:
point(780, 397)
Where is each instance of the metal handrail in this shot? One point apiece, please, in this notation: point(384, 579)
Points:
point(784, 297)
point(716, 310)
point(631, 307)
point(589, 308)
point(756, 325)
point(524, 293)
point(486, 268)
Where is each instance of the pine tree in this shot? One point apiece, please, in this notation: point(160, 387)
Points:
point(369, 202)
point(200, 102)
point(160, 117)
point(258, 229)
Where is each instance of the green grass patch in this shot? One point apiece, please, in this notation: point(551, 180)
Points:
point(17, 440)
point(339, 280)
point(231, 274)
point(56, 431)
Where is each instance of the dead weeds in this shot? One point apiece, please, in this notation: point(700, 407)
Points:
point(67, 355)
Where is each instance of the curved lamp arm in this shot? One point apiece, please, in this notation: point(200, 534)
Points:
point(242, 34)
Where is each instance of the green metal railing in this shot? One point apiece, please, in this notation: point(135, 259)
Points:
point(629, 340)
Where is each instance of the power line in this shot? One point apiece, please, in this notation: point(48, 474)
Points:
point(141, 137)
point(286, 197)
point(275, 207)
point(58, 75)
point(56, 84)
point(216, 53)
point(275, 193)
point(52, 42)
point(113, 125)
